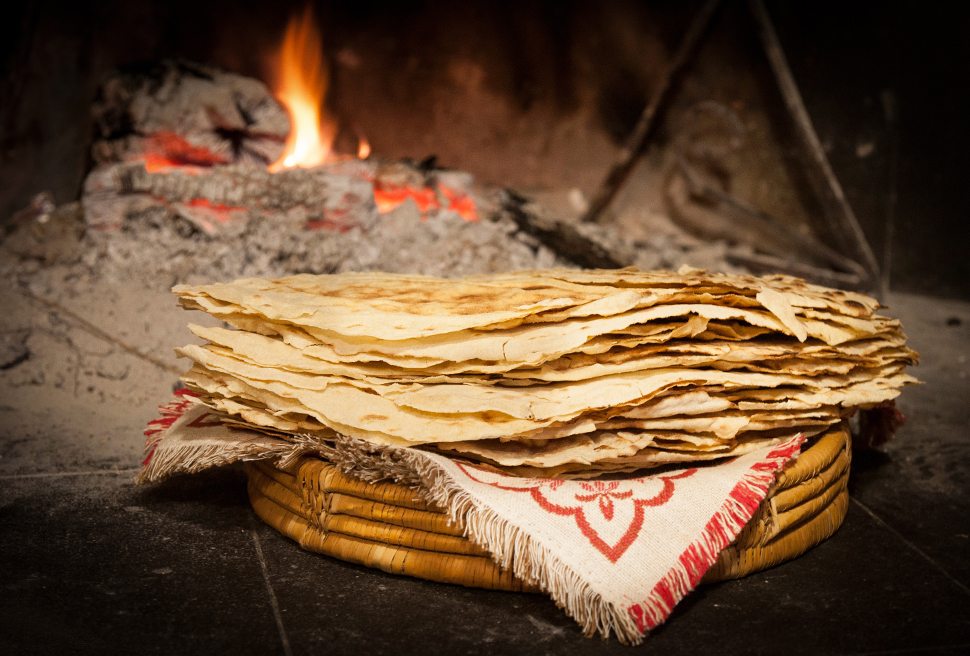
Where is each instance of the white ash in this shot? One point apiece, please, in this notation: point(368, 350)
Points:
point(445, 245)
point(161, 248)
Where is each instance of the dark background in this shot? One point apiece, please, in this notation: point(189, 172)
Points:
point(886, 86)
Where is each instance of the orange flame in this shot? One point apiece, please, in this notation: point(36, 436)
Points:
point(363, 148)
point(302, 88)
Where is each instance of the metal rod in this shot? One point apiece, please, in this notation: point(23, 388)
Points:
point(892, 126)
point(821, 172)
point(637, 140)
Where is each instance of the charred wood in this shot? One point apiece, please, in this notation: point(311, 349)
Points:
point(188, 114)
point(699, 204)
point(583, 245)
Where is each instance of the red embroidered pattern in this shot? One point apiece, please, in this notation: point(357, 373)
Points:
point(600, 496)
point(171, 411)
point(739, 507)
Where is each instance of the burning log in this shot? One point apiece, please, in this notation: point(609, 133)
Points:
point(196, 142)
point(219, 195)
point(184, 114)
point(188, 149)
point(338, 195)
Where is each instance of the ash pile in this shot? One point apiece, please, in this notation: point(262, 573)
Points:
point(181, 190)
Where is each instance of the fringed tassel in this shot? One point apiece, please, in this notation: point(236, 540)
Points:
point(193, 458)
point(877, 426)
point(722, 529)
point(170, 413)
point(513, 549)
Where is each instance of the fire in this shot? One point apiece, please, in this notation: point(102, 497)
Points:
point(363, 148)
point(389, 197)
point(302, 88)
point(165, 150)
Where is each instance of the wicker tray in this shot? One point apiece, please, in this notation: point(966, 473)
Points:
point(389, 527)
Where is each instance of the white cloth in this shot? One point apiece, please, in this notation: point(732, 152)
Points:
point(616, 553)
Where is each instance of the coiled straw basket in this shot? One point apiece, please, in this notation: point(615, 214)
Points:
point(389, 527)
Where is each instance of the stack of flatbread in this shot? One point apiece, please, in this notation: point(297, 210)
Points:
point(557, 373)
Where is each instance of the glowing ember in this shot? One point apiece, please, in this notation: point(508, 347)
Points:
point(155, 162)
point(215, 207)
point(363, 148)
point(302, 88)
point(209, 216)
point(461, 204)
point(163, 150)
point(388, 197)
point(301, 83)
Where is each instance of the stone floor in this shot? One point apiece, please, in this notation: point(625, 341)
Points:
point(89, 563)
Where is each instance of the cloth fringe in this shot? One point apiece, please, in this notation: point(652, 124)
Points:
point(514, 549)
point(511, 547)
point(169, 413)
point(722, 529)
point(195, 458)
point(169, 450)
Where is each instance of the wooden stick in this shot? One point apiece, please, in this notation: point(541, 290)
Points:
point(819, 169)
point(644, 128)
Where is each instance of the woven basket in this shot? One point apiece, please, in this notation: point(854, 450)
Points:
point(389, 527)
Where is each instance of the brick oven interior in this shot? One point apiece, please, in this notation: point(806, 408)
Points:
point(524, 108)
